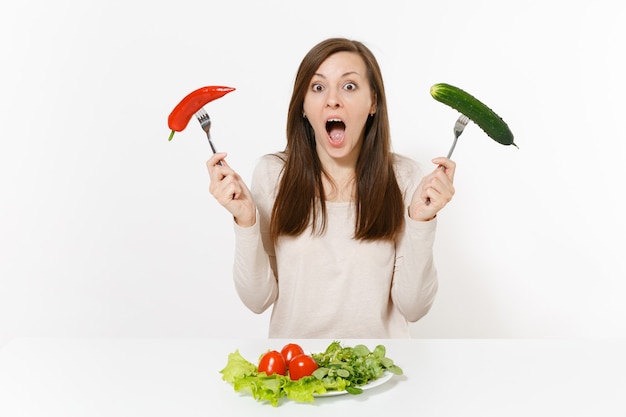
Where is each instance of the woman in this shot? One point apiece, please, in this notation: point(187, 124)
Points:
point(337, 231)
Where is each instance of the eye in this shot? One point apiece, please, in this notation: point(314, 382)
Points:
point(350, 86)
point(317, 87)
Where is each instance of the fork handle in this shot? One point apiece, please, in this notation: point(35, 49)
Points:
point(208, 136)
point(212, 146)
point(456, 138)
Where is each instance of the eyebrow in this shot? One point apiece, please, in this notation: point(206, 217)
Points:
point(342, 76)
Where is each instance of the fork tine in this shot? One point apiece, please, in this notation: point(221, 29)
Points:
point(202, 114)
point(460, 124)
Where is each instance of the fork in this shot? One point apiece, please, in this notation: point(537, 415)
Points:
point(459, 126)
point(205, 122)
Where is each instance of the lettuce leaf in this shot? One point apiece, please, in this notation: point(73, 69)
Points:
point(237, 367)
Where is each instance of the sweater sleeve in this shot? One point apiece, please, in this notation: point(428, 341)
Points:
point(415, 279)
point(254, 261)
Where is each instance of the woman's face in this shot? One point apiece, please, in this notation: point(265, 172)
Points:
point(337, 105)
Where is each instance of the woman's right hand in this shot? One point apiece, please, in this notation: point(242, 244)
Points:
point(230, 191)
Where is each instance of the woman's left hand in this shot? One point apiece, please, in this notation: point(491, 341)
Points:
point(434, 191)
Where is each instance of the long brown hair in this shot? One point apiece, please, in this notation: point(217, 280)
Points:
point(379, 205)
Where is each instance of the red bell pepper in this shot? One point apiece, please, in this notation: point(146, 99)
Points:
point(194, 101)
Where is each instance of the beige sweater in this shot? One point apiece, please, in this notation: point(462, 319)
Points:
point(332, 286)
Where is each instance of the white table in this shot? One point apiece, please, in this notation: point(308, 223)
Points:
point(180, 377)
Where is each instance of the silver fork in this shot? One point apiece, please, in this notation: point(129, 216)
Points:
point(205, 122)
point(459, 126)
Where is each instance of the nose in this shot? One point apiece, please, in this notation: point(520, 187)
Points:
point(333, 100)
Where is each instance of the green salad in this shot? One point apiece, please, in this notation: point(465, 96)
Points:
point(339, 368)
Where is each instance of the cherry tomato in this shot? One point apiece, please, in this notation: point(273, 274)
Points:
point(291, 350)
point(273, 363)
point(301, 365)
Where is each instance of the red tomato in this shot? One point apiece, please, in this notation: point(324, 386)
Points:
point(301, 365)
point(290, 350)
point(273, 363)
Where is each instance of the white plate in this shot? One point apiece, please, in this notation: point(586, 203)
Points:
point(384, 378)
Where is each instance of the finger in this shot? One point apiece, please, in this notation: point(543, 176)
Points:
point(448, 165)
point(215, 159)
point(231, 187)
point(227, 191)
point(440, 196)
point(445, 162)
point(440, 187)
point(218, 169)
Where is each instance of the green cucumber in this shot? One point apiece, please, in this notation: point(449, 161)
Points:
point(479, 113)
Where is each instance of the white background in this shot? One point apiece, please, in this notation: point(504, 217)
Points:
point(107, 229)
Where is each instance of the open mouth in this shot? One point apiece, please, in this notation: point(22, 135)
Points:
point(336, 129)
